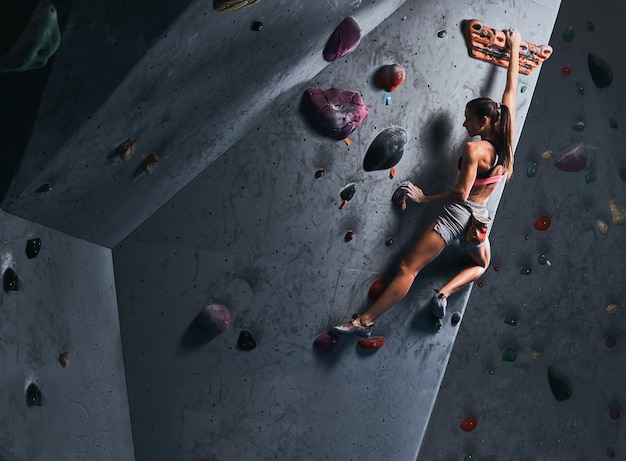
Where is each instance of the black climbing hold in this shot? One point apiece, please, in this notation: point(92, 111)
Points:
point(257, 26)
point(34, 396)
point(601, 72)
point(45, 188)
point(348, 192)
point(246, 341)
point(386, 150)
point(33, 246)
point(560, 384)
point(456, 318)
point(11, 281)
point(613, 123)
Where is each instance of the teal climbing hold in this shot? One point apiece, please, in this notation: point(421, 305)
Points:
point(531, 170)
point(569, 34)
point(511, 320)
point(509, 354)
point(37, 42)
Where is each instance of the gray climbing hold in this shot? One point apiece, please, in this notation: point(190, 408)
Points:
point(560, 384)
point(601, 72)
point(386, 150)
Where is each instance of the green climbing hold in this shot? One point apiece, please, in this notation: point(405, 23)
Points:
point(37, 42)
point(569, 34)
point(523, 88)
point(590, 175)
point(442, 34)
point(578, 126)
point(525, 270)
point(34, 396)
point(509, 354)
point(11, 281)
point(531, 170)
point(580, 88)
point(468, 457)
point(434, 323)
point(543, 258)
point(511, 320)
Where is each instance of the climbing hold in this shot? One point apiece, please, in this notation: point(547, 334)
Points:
point(246, 341)
point(442, 33)
point(591, 175)
point(509, 354)
point(349, 235)
point(542, 258)
point(611, 309)
point(376, 289)
point(536, 355)
point(511, 320)
point(566, 69)
point(213, 319)
point(580, 88)
point(346, 194)
point(386, 150)
point(614, 413)
point(610, 341)
point(225, 6)
point(468, 457)
point(434, 323)
point(531, 170)
point(389, 242)
point(560, 384)
point(373, 342)
point(455, 318)
point(343, 41)
point(601, 72)
point(468, 424)
point(150, 162)
point(37, 42)
point(525, 270)
point(542, 223)
point(319, 173)
point(256, 26)
point(590, 26)
point(45, 188)
point(127, 148)
point(11, 281)
point(333, 112)
point(546, 154)
point(33, 247)
point(569, 34)
point(34, 396)
point(327, 342)
point(602, 227)
point(572, 159)
point(400, 196)
point(523, 89)
point(618, 215)
point(390, 77)
point(496, 268)
point(64, 359)
point(578, 126)
point(480, 284)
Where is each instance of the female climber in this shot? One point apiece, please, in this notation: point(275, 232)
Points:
point(482, 166)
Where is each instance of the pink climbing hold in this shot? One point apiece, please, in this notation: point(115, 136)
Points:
point(333, 112)
point(213, 319)
point(343, 41)
point(572, 159)
point(327, 342)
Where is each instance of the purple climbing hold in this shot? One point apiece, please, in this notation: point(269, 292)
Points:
point(333, 112)
point(327, 342)
point(601, 72)
point(343, 41)
point(213, 319)
point(572, 159)
point(246, 341)
point(560, 384)
point(386, 150)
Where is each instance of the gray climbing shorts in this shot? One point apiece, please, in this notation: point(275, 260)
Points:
point(453, 223)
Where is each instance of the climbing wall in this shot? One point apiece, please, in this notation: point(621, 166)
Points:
point(282, 237)
point(63, 385)
point(555, 293)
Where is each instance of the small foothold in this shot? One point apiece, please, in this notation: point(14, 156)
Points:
point(257, 26)
point(611, 309)
point(546, 154)
point(127, 148)
point(34, 396)
point(569, 34)
point(347, 193)
point(511, 320)
point(455, 318)
point(536, 355)
point(33, 247)
point(11, 281)
point(389, 242)
point(614, 413)
point(531, 171)
point(566, 70)
point(509, 354)
point(578, 126)
point(64, 359)
point(434, 323)
point(373, 342)
point(319, 173)
point(468, 424)
point(542, 258)
point(480, 284)
point(542, 223)
point(591, 175)
point(496, 268)
point(151, 162)
point(525, 270)
point(610, 342)
point(580, 88)
point(523, 89)
point(392, 173)
point(45, 188)
point(618, 215)
point(327, 342)
point(442, 34)
point(590, 26)
point(602, 227)
point(376, 289)
point(560, 384)
point(246, 341)
point(349, 236)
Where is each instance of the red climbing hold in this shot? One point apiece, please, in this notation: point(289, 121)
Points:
point(373, 342)
point(542, 223)
point(468, 424)
point(376, 289)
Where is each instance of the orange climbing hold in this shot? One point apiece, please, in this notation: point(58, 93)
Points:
point(373, 342)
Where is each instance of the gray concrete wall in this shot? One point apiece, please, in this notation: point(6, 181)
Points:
point(67, 304)
point(562, 307)
point(260, 234)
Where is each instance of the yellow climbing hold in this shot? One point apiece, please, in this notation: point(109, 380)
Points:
point(546, 155)
point(618, 215)
point(611, 309)
point(602, 227)
point(536, 355)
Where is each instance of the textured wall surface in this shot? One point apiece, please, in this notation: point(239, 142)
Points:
point(259, 233)
point(561, 307)
point(67, 304)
